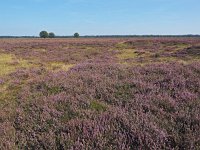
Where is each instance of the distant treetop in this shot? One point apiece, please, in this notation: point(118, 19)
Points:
point(51, 35)
point(44, 34)
point(76, 35)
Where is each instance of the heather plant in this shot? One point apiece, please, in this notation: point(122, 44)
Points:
point(108, 106)
point(92, 94)
point(1, 81)
point(193, 51)
point(74, 51)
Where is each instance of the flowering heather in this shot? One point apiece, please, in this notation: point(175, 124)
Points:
point(109, 106)
point(1, 81)
point(104, 101)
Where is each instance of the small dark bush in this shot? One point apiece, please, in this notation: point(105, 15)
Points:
point(44, 34)
point(51, 35)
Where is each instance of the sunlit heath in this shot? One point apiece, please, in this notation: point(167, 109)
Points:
point(100, 75)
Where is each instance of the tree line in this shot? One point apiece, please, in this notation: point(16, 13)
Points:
point(108, 36)
point(45, 34)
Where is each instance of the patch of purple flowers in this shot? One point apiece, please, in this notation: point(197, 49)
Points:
point(1, 81)
point(151, 107)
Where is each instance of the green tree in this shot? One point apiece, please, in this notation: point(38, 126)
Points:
point(51, 35)
point(44, 34)
point(76, 35)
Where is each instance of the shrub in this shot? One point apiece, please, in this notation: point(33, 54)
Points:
point(106, 106)
point(51, 35)
point(76, 35)
point(44, 34)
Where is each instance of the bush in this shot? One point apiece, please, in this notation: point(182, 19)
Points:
point(44, 34)
point(76, 35)
point(51, 35)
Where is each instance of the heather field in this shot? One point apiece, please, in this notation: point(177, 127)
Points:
point(100, 94)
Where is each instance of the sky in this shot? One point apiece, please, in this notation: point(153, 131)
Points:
point(99, 17)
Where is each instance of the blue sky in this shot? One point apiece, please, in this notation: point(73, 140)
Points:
point(99, 17)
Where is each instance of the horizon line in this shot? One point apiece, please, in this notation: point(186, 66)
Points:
point(106, 35)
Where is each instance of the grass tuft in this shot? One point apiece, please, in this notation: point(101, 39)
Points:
point(59, 66)
point(98, 106)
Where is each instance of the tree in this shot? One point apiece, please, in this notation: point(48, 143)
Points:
point(51, 35)
point(44, 34)
point(76, 35)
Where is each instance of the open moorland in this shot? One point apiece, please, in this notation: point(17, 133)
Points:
point(100, 93)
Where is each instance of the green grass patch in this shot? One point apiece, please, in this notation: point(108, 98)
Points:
point(5, 67)
point(59, 66)
point(98, 106)
point(90, 51)
point(121, 45)
point(40, 50)
point(9, 63)
point(68, 115)
point(3, 91)
point(126, 54)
